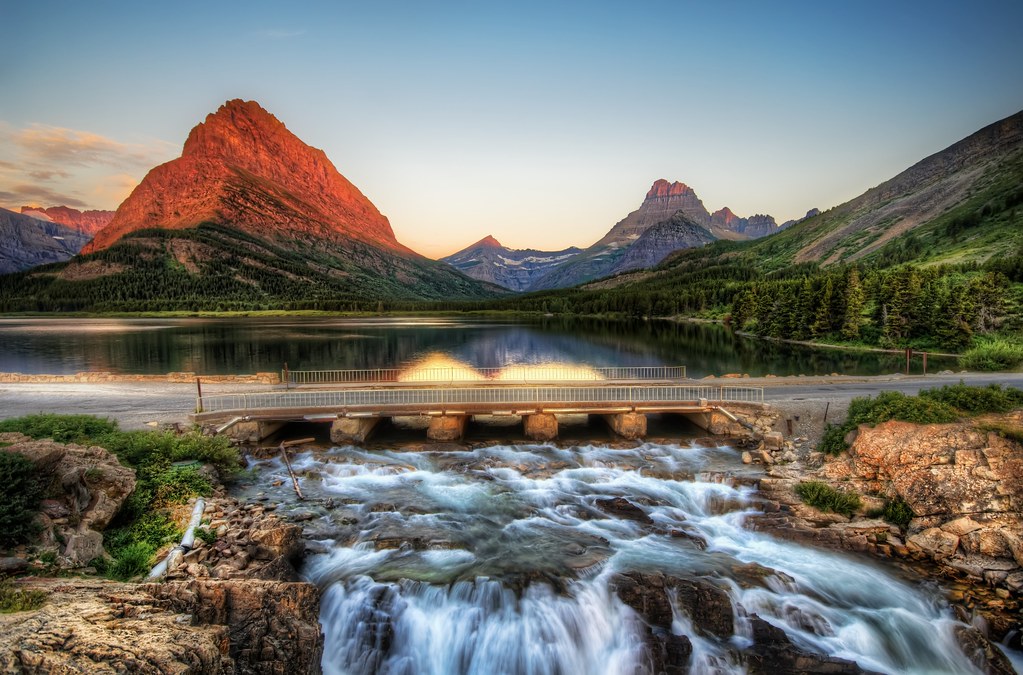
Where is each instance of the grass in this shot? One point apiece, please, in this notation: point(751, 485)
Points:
point(822, 496)
point(895, 511)
point(141, 527)
point(1011, 431)
point(976, 400)
point(19, 600)
point(994, 354)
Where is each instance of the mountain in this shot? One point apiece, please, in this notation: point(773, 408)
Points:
point(248, 216)
point(676, 209)
point(86, 222)
point(957, 205)
point(27, 242)
point(514, 269)
point(659, 240)
point(244, 168)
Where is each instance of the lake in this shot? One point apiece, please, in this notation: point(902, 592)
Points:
point(248, 345)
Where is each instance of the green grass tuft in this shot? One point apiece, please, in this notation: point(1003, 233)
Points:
point(19, 499)
point(822, 496)
point(18, 600)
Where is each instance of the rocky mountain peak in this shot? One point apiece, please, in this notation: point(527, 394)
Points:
point(725, 217)
point(487, 242)
point(662, 188)
point(86, 222)
point(242, 167)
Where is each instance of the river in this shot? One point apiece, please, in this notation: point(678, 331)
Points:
point(505, 559)
point(229, 346)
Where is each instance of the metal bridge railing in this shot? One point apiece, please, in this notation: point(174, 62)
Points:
point(496, 396)
point(527, 374)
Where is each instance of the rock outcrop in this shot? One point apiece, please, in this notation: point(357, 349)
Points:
point(106, 627)
point(87, 487)
point(232, 606)
point(710, 611)
point(964, 486)
point(86, 222)
point(27, 242)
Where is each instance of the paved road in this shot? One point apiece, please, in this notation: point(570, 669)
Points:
point(135, 405)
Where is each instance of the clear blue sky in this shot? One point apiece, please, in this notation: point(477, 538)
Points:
point(542, 123)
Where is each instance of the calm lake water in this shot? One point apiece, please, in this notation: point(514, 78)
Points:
point(225, 346)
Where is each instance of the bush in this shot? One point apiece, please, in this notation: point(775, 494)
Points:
point(19, 499)
point(61, 428)
point(132, 561)
point(897, 512)
point(820, 495)
point(993, 355)
point(17, 600)
point(976, 400)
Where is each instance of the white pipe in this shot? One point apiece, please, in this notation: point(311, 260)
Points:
point(187, 541)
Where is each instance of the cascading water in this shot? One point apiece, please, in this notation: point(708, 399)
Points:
point(503, 560)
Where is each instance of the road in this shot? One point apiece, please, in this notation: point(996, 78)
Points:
point(136, 405)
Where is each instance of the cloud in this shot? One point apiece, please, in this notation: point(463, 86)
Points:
point(47, 174)
point(37, 195)
point(44, 146)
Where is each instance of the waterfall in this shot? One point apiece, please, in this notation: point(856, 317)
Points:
point(503, 560)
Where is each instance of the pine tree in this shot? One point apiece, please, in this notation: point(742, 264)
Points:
point(854, 299)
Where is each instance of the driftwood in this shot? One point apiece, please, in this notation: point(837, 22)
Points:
point(287, 462)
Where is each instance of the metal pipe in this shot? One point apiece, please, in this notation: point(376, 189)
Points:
point(187, 541)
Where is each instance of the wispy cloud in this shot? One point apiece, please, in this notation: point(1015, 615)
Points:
point(38, 195)
point(48, 165)
point(56, 145)
point(47, 174)
point(278, 34)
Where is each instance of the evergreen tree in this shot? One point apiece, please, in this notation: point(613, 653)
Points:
point(854, 299)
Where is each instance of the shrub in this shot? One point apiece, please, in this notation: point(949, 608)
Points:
point(61, 428)
point(131, 561)
point(18, 600)
point(976, 400)
point(992, 355)
point(897, 512)
point(19, 499)
point(822, 496)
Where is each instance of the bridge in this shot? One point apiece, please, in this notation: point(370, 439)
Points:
point(354, 402)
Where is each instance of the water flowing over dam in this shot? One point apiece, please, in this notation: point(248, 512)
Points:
point(512, 559)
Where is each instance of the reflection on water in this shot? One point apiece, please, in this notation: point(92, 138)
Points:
point(222, 346)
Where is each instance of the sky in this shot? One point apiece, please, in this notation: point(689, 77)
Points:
point(540, 123)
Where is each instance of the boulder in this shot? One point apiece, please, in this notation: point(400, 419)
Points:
point(934, 542)
point(86, 488)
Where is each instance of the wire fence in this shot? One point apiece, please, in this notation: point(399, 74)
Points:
point(510, 397)
point(510, 374)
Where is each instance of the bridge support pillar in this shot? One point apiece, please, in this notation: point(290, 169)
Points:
point(540, 427)
point(716, 423)
point(355, 430)
point(447, 427)
point(630, 426)
point(253, 431)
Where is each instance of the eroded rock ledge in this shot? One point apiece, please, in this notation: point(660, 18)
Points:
point(233, 606)
point(965, 488)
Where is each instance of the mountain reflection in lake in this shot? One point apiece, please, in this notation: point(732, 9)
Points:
point(225, 346)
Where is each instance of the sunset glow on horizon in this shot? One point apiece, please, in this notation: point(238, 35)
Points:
point(541, 124)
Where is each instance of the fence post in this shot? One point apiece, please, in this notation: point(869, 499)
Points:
point(198, 386)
